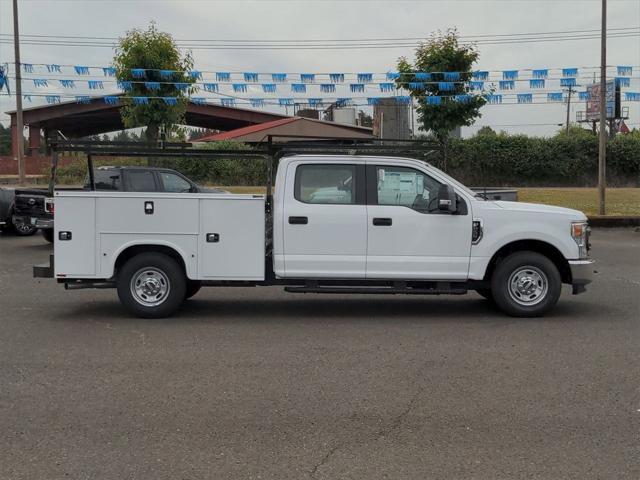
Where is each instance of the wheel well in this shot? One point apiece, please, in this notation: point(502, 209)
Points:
point(544, 248)
point(134, 250)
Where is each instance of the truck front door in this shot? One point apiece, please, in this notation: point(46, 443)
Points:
point(325, 220)
point(408, 237)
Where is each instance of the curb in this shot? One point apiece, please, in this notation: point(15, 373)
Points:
point(606, 221)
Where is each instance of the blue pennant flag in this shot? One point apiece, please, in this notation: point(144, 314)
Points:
point(223, 76)
point(228, 102)
point(315, 102)
point(632, 96)
point(624, 70)
point(51, 99)
point(480, 75)
point(26, 98)
point(403, 99)
point(452, 76)
point(525, 98)
point(510, 75)
point(67, 83)
point(307, 77)
point(506, 84)
point(125, 85)
point(465, 98)
point(140, 100)
point(239, 87)
point(210, 87)
point(109, 71)
point(111, 100)
point(27, 67)
point(198, 100)
point(54, 67)
point(536, 83)
point(433, 100)
point(623, 81)
point(585, 96)
point(170, 100)
point(494, 99)
point(257, 102)
point(344, 101)
point(298, 88)
point(417, 85)
point(393, 75)
point(387, 87)
point(83, 99)
point(554, 97)
point(152, 85)
point(3, 79)
point(40, 82)
point(422, 76)
point(285, 101)
point(182, 86)
point(356, 87)
point(569, 72)
point(95, 84)
point(195, 74)
point(336, 77)
point(269, 87)
point(279, 77)
point(250, 77)
point(540, 73)
point(475, 85)
point(446, 86)
point(365, 77)
point(373, 100)
point(166, 74)
point(138, 72)
point(327, 88)
point(81, 69)
point(568, 82)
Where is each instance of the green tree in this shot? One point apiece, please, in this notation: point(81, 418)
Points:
point(153, 51)
point(439, 54)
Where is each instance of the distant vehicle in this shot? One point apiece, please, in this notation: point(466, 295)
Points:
point(34, 210)
point(7, 209)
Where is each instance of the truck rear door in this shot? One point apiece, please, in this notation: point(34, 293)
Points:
point(325, 220)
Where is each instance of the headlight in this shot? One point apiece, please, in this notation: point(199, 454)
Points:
point(580, 233)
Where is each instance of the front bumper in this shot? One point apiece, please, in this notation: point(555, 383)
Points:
point(581, 274)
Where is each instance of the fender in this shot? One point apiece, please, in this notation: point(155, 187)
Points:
point(190, 265)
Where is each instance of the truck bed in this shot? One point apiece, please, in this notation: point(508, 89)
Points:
point(218, 236)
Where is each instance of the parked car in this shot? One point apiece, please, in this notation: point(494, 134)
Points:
point(35, 210)
point(336, 224)
point(7, 210)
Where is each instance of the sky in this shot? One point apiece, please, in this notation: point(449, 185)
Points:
point(345, 19)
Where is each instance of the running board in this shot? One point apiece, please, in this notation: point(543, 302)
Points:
point(378, 290)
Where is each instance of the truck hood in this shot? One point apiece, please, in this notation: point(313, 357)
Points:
point(539, 208)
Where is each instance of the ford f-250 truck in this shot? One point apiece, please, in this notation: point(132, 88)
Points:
point(336, 224)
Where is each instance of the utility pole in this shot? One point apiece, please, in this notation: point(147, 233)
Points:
point(602, 145)
point(19, 138)
point(569, 107)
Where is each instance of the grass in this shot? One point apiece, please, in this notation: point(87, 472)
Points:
point(619, 201)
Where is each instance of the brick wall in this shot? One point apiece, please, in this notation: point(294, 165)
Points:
point(35, 165)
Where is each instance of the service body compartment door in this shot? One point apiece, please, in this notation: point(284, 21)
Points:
point(232, 239)
point(76, 257)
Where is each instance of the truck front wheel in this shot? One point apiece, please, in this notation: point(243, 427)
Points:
point(151, 285)
point(526, 284)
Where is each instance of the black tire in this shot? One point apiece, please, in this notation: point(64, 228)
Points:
point(193, 287)
point(161, 272)
point(486, 293)
point(23, 229)
point(537, 275)
point(47, 233)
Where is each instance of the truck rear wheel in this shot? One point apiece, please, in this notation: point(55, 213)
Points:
point(526, 284)
point(47, 233)
point(151, 285)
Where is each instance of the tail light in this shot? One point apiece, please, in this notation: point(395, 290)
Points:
point(49, 205)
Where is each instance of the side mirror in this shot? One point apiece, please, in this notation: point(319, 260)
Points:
point(447, 199)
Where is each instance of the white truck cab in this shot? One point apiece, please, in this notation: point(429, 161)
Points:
point(335, 224)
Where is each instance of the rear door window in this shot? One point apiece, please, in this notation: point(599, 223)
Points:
point(107, 180)
point(142, 181)
point(328, 184)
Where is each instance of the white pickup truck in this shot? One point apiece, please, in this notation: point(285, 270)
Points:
point(335, 224)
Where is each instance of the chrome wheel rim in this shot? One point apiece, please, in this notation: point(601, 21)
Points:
point(528, 286)
point(150, 286)
point(24, 228)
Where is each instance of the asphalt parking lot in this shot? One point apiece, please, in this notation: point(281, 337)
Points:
point(258, 383)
